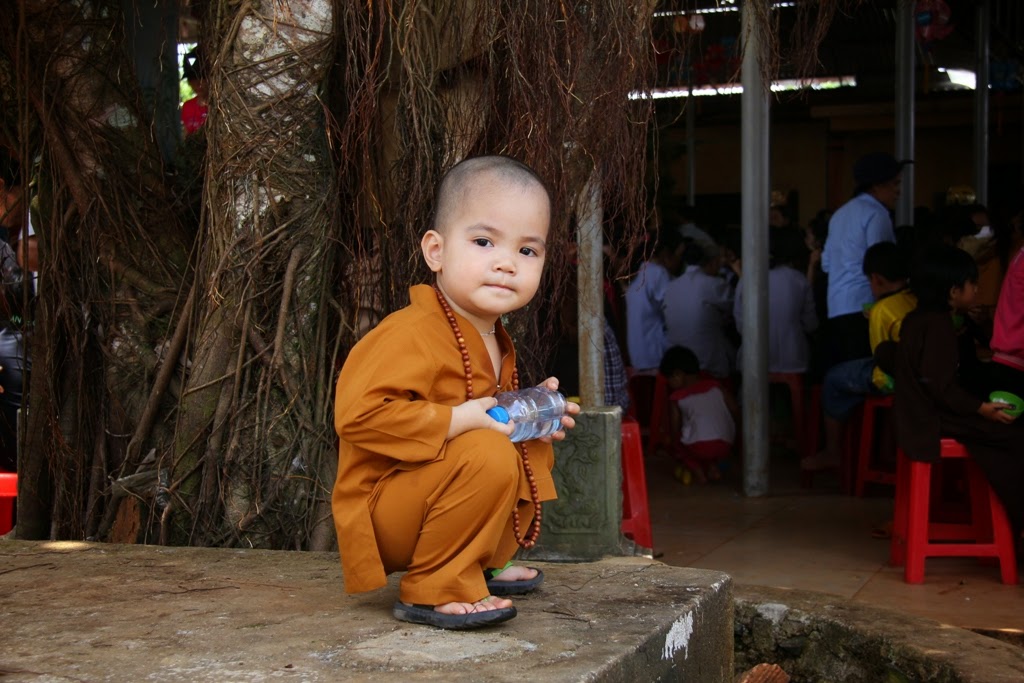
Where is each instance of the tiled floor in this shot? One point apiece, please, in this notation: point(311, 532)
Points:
point(816, 539)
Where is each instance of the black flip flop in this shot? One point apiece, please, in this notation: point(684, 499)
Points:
point(502, 588)
point(426, 615)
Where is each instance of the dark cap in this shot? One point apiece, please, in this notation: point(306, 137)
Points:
point(879, 167)
point(193, 65)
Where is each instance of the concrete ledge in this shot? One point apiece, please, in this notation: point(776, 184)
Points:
point(819, 637)
point(98, 612)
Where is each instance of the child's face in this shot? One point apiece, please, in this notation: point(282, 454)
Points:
point(676, 380)
point(962, 298)
point(878, 285)
point(490, 255)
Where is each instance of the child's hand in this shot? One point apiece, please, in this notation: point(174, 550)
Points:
point(473, 415)
point(571, 409)
point(995, 412)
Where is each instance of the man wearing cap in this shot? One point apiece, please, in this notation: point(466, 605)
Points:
point(855, 226)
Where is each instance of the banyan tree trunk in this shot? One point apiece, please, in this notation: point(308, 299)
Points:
point(113, 258)
point(182, 380)
point(183, 385)
point(254, 440)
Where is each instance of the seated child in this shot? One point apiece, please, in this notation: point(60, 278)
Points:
point(931, 402)
point(702, 413)
point(847, 384)
point(427, 482)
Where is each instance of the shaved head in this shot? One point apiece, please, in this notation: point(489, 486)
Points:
point(471, 174)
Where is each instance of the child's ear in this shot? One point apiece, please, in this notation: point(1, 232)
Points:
point(432, 246)
point(954, 291)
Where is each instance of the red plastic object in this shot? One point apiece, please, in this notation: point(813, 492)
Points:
point(866, 471)
point(636, 517)
point(658, 425)
point(915, 538)
point(8, 492)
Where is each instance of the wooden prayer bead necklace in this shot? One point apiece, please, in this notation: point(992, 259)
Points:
point(530, 539)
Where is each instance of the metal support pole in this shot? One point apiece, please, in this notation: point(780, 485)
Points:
point(691, 148)
point(590, 288)
point(755, 191)
point(984, 27)
point(905, 86)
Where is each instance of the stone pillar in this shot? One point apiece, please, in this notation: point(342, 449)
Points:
point(583, 524)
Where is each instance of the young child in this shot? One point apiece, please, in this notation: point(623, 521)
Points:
point(427, 482)
point(194, 111)
point(930, 401)
point(847, 384)
point(701, 413)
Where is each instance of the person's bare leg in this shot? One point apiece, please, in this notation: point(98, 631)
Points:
point(833, 440)
point(831, 456)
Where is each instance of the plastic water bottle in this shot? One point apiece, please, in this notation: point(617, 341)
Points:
point(536, 411)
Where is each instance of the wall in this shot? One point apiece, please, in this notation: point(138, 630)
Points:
point(815, 156)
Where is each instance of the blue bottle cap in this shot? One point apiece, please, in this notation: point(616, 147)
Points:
point(499, 414)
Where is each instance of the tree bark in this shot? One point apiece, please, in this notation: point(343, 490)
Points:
point(249, 433)
point(111, 248)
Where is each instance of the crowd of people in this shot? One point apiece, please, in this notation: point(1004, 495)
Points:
point(931, 312)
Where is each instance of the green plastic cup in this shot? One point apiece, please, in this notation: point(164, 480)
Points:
point(1014, 403)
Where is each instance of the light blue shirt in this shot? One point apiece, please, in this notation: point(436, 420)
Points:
point(645, 322)
point(854, 227)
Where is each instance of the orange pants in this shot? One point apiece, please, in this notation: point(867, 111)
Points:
point(446, 521)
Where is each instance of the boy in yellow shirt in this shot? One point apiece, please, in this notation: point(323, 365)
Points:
point(847, 384)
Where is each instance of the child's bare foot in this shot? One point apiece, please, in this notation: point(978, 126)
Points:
point(489, 603)
point(514, 580)
point(458, 616)
point(516, 572)
point(822, 460)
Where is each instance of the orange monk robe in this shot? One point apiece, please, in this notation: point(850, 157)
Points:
point(392, 413)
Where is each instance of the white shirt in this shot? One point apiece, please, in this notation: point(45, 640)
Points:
point(704, 416)
point(791, 316)
point(645, 321)
point(698, 307)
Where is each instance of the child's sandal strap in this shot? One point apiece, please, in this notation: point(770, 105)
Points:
point(491, 573)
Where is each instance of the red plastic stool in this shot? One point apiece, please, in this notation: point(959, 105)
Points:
point(795, 382)
point(659, 414)
point(8, 492)
point(865, 470)
point(641, 393)
point(916, 538)
point(636, 517)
